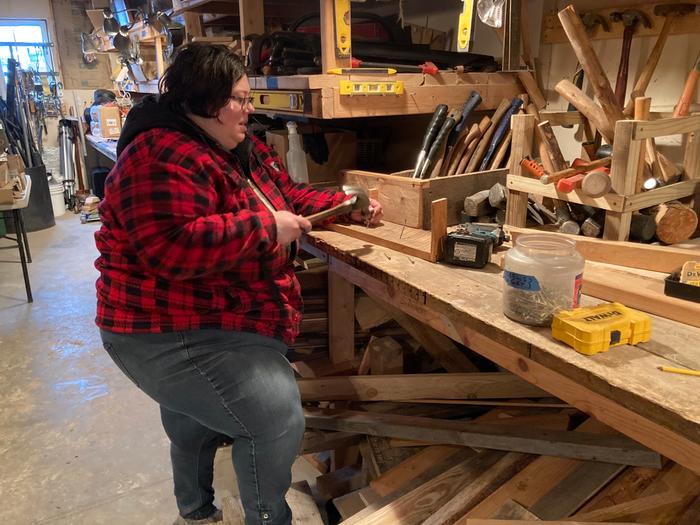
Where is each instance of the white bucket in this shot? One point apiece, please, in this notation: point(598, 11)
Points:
point(57, 202)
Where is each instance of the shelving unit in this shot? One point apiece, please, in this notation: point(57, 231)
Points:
point(622, 201)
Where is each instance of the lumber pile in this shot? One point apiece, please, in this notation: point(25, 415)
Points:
point(418, 430)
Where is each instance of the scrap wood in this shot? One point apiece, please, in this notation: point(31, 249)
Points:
point(369, 314)
point(412, 467)
point(630, 254)
point(318, 441)
point(481, 521)
point(535, 480)
point(640, 292)
point(487, 385)
point(577, 445)
point(413, 482)
point(417, 505)
point(512, 510)
point(474, 492)
point(354, 502)
point(657, 509)
point(570, 494)
point(629, 485)
point(386, 356)
point(335, 484)
point(439, 346)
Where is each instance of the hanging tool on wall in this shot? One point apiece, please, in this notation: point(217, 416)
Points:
point(465, 28)
point(630, 18)
point(341, 19)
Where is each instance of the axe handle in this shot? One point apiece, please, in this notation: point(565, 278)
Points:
point(682, 109)
point(576, 32)
point(642, 83)
point(486, 138)
point(587, 107)
point(500, 132)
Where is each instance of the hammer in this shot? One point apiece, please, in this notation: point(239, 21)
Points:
point(358, 201)
point(629, 18)
point(670, 12)
point(590, 20)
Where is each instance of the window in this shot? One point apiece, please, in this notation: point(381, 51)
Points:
point(27, 41)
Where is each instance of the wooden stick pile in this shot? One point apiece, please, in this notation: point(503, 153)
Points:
point(420, 431)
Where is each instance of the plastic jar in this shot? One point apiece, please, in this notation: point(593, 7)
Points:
point(543, 275)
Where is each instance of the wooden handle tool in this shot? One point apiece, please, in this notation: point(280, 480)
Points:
point(433, 127)
point(682, 109)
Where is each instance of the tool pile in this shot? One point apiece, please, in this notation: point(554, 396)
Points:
point(451, 145)
point(590, 176)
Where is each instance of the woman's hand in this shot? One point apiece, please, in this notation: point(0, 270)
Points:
point(375, 213)
point(290, 226)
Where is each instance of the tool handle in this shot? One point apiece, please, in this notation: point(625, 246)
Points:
point(472, 102)
point(340, 209)
point(500, 132)
point(447, 126)
point(549, 178)
point(433, 127)
point(682, 109)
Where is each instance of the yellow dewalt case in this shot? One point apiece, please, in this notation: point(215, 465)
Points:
point(595, 329)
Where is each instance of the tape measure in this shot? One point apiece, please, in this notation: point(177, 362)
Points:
point(595, 329)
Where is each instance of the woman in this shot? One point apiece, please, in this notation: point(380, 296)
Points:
point(197, 300)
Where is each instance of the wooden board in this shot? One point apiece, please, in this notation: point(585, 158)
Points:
point(341, 321)
point(576, 445)
point(640, 292)
point(630, 254)
point(464, 304)
point(553, 33)
point(611, 201)
point(490, 385)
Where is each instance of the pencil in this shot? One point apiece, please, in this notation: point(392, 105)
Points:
point(680, 370)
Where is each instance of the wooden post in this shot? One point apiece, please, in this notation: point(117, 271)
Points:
point(160, 65)
point(252, 17)
point(691, 159)
point(625, 163)
point(523, 127)
point(329, 60)
point(341, 318)
point(193, 25)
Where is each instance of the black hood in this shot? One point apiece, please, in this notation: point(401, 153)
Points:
point(153, 112)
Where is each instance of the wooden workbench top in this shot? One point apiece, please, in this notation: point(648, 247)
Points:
point(622, 387)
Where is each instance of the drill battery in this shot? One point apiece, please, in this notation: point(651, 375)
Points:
point(471, 245)
point(595, 329)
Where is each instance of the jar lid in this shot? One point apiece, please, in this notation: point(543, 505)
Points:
point(545, 245)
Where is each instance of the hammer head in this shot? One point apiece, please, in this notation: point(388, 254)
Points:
point(590, 20)
point(361, 199)
point(674, 9)
point(631, 17)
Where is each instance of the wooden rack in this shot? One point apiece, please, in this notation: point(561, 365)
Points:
point(622, 201)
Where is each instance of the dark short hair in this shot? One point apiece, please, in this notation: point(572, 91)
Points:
point(200, 78)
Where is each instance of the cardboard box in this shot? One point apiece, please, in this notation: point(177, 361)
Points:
point(407, 200)
point(106, 121)
point(342, 153)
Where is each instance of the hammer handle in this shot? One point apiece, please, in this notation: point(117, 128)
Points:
point(340, 209)
point(621, 83)
point(691, 84)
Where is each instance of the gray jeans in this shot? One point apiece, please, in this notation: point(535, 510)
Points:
point(211, 383)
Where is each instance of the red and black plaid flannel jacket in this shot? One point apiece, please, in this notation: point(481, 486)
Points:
point(186, 244)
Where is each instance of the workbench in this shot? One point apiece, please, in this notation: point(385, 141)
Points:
point(622, 387)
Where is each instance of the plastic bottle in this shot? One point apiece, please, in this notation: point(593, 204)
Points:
point(542, 276)
point(296, 157)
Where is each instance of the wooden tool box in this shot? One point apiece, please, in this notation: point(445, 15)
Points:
point(411, 198)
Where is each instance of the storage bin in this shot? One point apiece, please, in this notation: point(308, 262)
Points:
point(407, 200)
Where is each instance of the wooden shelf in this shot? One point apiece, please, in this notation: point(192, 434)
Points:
point(219, 7)
point(322, 98)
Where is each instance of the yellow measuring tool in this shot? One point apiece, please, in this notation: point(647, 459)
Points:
point(465, 29)
point(595, 329)
point(371, 87)
point(341, 17)
point(288, 101)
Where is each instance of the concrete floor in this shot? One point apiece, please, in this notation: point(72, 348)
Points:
point(79, 443)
